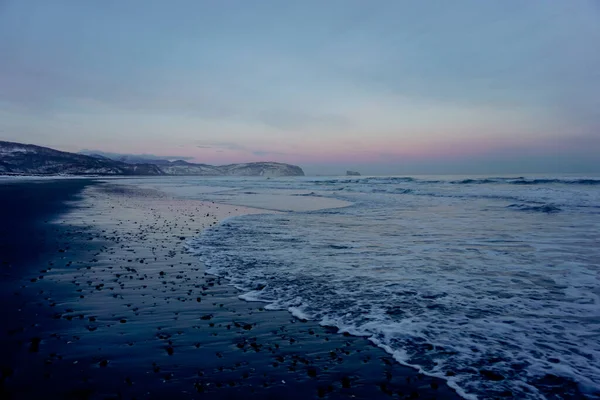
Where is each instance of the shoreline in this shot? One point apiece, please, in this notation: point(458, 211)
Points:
point(247, 296)
point(125, 298)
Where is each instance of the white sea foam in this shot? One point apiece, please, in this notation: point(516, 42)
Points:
point(494, 285)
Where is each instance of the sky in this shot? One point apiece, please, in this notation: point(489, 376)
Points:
point(382, 87)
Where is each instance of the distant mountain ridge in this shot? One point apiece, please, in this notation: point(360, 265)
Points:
point(133, 158)
point(28, 159)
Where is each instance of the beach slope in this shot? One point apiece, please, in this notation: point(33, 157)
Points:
point(100, 299)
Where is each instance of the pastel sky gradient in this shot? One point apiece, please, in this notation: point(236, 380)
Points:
point(385, 87)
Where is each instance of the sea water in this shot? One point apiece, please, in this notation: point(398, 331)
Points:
point(491, 283)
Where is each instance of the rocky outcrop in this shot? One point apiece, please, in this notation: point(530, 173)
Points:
point(352, 173)
point(27, 159)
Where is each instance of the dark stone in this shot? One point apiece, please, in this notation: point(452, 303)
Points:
point(346, 382)
point(491, 375)
point(34, 346)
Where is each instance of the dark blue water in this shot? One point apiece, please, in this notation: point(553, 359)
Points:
point(492, 283)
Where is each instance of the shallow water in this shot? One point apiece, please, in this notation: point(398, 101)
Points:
point(493, 283)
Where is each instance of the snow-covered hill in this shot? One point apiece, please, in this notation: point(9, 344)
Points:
point(27, 159)
point(181, 167)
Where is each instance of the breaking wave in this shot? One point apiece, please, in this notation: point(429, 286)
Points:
point(492, 284)
point(544, 208)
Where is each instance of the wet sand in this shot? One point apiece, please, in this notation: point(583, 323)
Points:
point(100, 299)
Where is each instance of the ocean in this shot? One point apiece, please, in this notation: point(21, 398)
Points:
point(492, 283)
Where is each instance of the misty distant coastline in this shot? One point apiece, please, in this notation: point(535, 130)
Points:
point(26, 159)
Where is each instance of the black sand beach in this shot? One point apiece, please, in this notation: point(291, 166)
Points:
point(101, 300)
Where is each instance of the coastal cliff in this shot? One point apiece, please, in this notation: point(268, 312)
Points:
point(27, 159)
